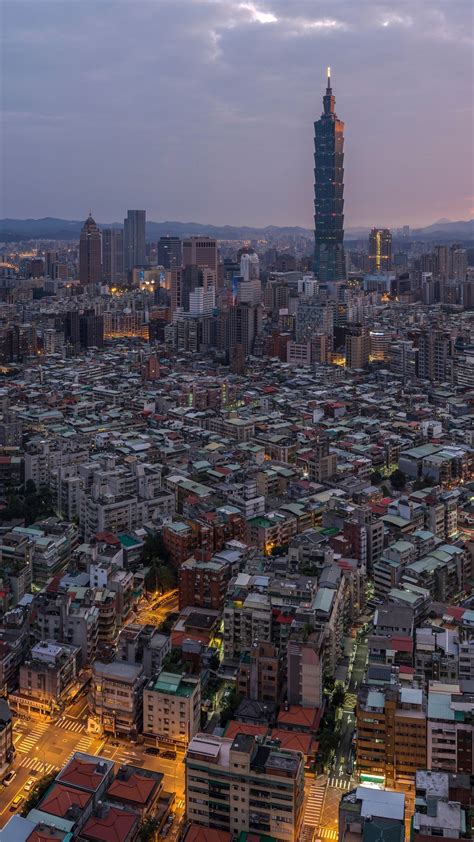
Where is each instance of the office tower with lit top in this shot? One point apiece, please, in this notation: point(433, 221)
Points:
point(90, 253)
point(380, 250)
point(329, 263)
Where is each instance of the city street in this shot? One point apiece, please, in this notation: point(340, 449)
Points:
point(156, 609)
point(43, 747)
point(340, 779)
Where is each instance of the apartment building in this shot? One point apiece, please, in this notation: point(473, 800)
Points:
point(46, 677)
point(442, 806)
point(450, 728)
point(391, 734)
point(305, 668)
point(172, 708)
point(260, 675)
point(242, 785)
point(247, 618)
point(117, 697)
point(203, 583)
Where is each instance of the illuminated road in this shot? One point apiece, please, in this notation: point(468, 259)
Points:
point(42, 747)
point(156, 610)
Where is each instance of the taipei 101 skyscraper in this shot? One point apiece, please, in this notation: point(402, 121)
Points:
point(329, 264)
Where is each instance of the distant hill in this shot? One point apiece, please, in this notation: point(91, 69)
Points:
point(50, 228)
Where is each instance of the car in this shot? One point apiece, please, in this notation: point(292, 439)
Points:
point(152, 750)
point(8, 778)
point(16, 802)
point(29, 784)
point(169, 755)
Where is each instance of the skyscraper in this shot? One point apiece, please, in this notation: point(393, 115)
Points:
point(134, 239)
point(329, 264)
point(380, 250)
point(112, 255)
point(200, 251)
point(169, 252)
point(90, 253)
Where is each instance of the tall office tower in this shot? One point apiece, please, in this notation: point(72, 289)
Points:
point(329, 192)
point(134, 253)
point(357, 347)
point(380, 250)
point(112, 255)
point(441, 261)
point(90, 253)
point(458, 263)
point(243, 326)
point(200, 251)
point(169, 252)
point(250, 267)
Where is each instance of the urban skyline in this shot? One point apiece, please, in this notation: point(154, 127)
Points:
point(248, 118)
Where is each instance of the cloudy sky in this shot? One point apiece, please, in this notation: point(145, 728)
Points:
point(202, 110)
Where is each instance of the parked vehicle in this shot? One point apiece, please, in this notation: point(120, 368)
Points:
point(152, 750)
point(16, 802)
point(169, 755)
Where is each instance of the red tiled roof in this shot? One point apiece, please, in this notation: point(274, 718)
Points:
point(405, 669)
point(82, 774)
point(294, 740)
point(107, 538)
point(196, 833)
point(137, 788)
point(60, 798)
point(234, 728)
point(296, 715)
point(115, 826)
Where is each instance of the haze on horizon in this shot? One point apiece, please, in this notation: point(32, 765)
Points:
point(203, 110)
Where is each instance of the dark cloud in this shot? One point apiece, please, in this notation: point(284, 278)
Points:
point(203, 109)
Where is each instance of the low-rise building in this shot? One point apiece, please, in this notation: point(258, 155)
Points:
point(117, 697)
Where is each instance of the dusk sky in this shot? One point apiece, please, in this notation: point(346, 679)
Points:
point(203, 110)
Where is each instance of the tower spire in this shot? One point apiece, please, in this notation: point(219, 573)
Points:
point(329, 100)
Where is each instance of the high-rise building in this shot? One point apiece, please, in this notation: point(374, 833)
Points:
point(244, 324)
point(200, 251)
point(112, 255)
point(357, 346)
point(380, 250)
point(134, 253)
point(249, 267)
point(329, 192)
point(90, 253)
point(169, 252)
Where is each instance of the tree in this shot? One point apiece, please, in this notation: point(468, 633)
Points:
point(230, 706)
point(398, 480)
point(39, 790)
point(338, 696)
point(328, 742)
point(149, 830)
point(376, 477)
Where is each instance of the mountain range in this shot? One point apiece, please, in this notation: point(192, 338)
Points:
point(50, 228)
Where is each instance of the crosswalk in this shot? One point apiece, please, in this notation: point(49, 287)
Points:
point(70, 725)
point(328, 833)
point(340, 782)
point(36, 765)
point(28, 742)
point(314, 805)
point(83, 746)
point(180, 803)
point(350, 701)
